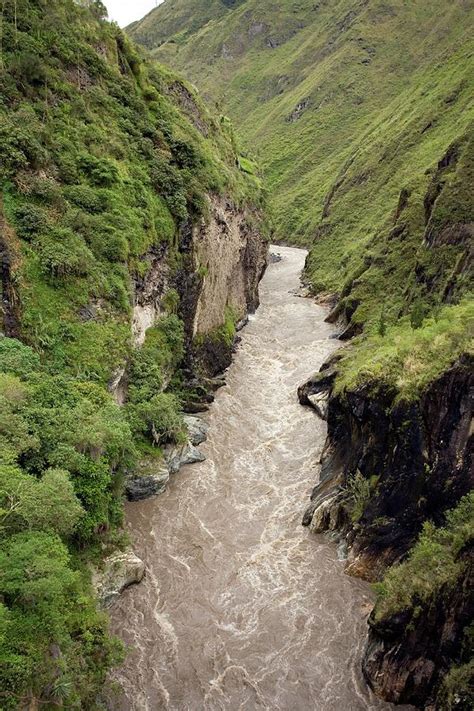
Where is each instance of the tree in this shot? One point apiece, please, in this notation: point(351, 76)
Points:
point(417, 315)
point(49, 504)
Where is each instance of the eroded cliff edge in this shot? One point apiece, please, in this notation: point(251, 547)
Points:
point(397, 463)
point(389, 466)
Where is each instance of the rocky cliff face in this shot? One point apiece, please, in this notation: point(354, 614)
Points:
point(225, 257)
point(387, 467)
point(108, 164)
point(408, 653)
point(418, 456)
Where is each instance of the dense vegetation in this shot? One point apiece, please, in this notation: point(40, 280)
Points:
point(104, 158)
point(437, 573)
point(435, 561)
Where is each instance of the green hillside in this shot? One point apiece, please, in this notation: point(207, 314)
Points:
point(361, 115)
point(104, 161)
point(365, 96)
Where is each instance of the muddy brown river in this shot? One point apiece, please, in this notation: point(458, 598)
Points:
point(242, 607)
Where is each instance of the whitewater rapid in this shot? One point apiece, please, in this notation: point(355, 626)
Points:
point(242, 607)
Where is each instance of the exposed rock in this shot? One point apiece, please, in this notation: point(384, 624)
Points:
point(232, 256)
point(319, 402)
point(408, 653)
point(118, 385)
point(314, 392)
point(140, 486)
point(197, 429)
point(148, 293)
point(242, 323)
point(194, 408)
point(179, 455)
point(217, 382)
point(120, 570)
point(187, 103)
point(329, 515)
point(353, 329)
point(256, 28)
point(297, 112)
point(399, 443)
point(421, 454)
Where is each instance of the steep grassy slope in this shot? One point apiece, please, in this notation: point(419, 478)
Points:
point(361, 114)
point(110, 168)
point(179, 22)
point(305, 81)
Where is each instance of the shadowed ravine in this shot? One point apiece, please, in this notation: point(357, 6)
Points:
point(243, 608)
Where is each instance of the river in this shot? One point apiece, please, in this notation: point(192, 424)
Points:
point(242, 607)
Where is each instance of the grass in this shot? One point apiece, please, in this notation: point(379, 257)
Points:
point(407, 359)
point(435, 562)
point(104, 159)
point(350, 109)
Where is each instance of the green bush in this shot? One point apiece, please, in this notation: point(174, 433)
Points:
point(17, 358)
point(53, 642)
point(48, 504)
point(29, 220)
point(359, 491)
point(98, 167)
point(99, 171)
point(434, 562)
point(63, 253)
point(89, 199)
point(159, 418)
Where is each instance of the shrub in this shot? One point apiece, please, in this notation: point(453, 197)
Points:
point(29, 220)
point(417, 314)
point(100, 171)
point(17, 358)
point(434, 562)
point(382, 324)
point(19, 147)
point(48, 504)
point(54, 641)
point(86, 197)
point(359, 490)
point(64, 253)
point(170, 301)
point(159, 418)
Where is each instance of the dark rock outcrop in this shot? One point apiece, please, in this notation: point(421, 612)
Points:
point(142, 485)
point(420, 451)
point(417, 457)
point(408, 653)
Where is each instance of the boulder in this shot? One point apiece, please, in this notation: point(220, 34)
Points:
point(179, 455)
point(319, 402)
point(197, 429)
point(142, 485)
point(120, 570)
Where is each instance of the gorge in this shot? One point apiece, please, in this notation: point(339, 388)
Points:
point(141, 311)
point(240, 607)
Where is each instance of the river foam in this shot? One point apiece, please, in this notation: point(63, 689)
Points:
point(242, 607)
